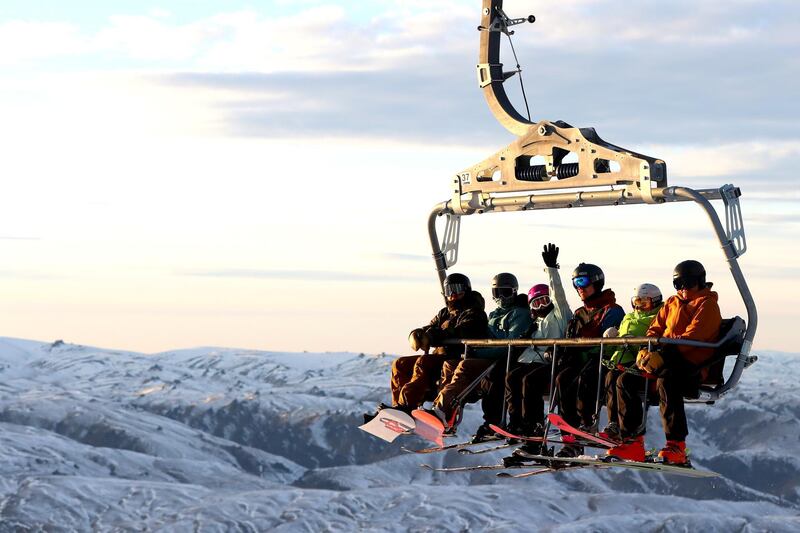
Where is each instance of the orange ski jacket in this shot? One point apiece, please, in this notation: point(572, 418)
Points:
point(697, 319)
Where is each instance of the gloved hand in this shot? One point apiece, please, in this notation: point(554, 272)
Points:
point(419, 340)
point(648, 361)
point(611, 332)
point(550, 255)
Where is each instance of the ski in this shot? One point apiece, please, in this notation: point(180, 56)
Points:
point(548, 470)
point(470, 451)
point(460, 446)
point(562, 424)
point(475, 468)
point(508, 435)
point(613, 462)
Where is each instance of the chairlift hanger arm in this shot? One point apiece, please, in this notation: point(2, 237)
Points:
point(495, 23)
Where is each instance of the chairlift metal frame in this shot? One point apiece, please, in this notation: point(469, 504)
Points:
point(605, 175)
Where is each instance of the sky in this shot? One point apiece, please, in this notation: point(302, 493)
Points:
point(259, 174)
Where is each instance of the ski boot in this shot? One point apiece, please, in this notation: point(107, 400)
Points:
point(570, 450)
point(629, 450)
point(483, 434)
point(611, 432)
point(674, 453)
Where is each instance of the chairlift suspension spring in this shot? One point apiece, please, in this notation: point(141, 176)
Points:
point(539, 172)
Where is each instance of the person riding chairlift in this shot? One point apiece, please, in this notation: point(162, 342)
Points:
point(529, 378)
point(692, 314)
point(576, 383)
point(646, 302)
point(414, 377)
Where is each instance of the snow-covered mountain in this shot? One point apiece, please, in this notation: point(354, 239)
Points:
point(216, 439)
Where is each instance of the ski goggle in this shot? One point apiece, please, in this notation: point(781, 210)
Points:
point(455, 288)
point(540, 302)
point(581, 282)
point(502, 292)
point(686, 282)
point(641, 302)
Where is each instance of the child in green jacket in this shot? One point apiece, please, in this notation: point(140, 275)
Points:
point(646, 302)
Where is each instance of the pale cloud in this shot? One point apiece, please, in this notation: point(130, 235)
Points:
point(328, 38)
point(733, 159)
point(26, 41)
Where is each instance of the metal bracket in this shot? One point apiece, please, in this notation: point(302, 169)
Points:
point(734, 223)
point(452, 233)
point(502, 22)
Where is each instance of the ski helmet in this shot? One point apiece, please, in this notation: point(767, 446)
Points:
point(455, 284)
point(586, 274)
point(688, 274)
point(538, 290)
point(539, 297)
point(504, 288)
point(646, 291)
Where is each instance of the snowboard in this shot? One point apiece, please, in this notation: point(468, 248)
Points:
point(388, 424)
point(428, 426)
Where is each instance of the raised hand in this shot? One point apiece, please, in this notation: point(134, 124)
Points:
point(550, 255)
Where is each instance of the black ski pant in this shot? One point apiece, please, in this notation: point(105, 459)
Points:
point(624, 403)
point(678, 379)
point(526, 384)
point(577, 391)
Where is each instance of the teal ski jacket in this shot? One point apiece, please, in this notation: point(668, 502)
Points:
point(512, 322)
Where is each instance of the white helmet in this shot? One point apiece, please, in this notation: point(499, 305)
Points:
point(649, 291)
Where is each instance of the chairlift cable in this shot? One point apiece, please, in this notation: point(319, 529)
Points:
point(519, 73)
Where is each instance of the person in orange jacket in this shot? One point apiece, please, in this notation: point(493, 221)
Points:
point(692, 314)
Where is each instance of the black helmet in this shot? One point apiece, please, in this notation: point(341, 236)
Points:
point(688, 274)
point(504, 289)
point(505, 280)
point(587, 273)
point(456, 283)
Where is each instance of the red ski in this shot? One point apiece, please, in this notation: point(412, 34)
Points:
point(561, 424)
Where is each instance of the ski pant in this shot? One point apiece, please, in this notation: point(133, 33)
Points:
point(624, 403)
point(414, 378)
point(577, 392)
point(526, 384)
point(458, 375)
point(676, 380)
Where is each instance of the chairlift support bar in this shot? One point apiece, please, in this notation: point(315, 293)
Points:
point(605, 175)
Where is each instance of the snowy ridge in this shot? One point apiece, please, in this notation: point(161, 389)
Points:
point(243, 440)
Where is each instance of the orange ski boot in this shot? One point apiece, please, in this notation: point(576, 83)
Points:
point(674, 453)
point(629, 450)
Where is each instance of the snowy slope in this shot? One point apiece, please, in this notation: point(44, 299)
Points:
point(227, 440)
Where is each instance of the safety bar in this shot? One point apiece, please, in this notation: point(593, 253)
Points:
point(608, 341)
